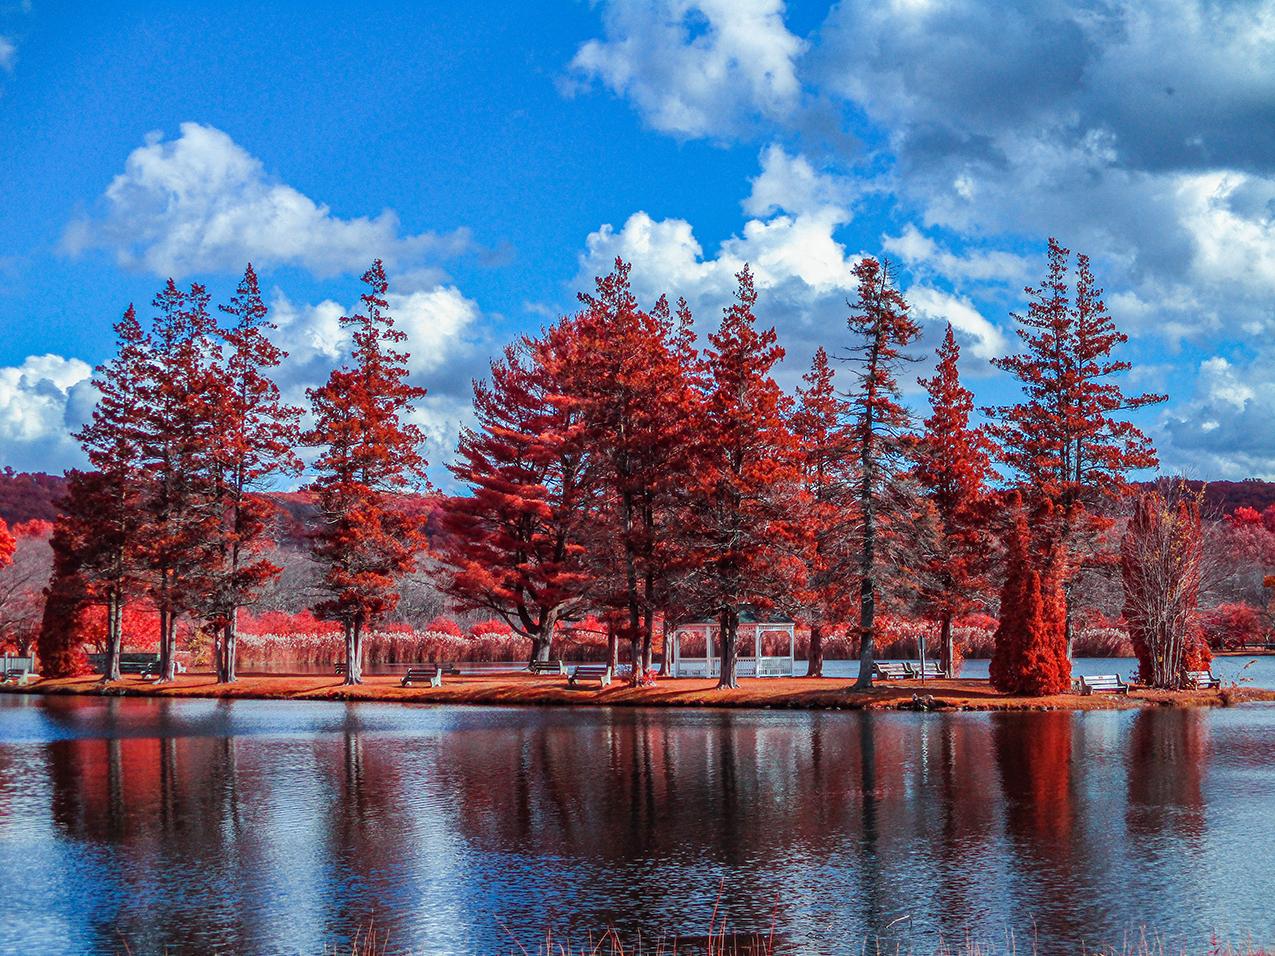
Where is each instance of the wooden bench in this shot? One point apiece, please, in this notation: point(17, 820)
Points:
point(929, 670)
point(16, 669)
point(1202, 680)
point(891, 671)
point(547, 667)
point(599, 672)
point(433, 673)
point(1103, 684)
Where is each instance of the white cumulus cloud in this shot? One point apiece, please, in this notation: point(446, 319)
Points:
point(41, 402)
point(201, 202)
point(697, 67)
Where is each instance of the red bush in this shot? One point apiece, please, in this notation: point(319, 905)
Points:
point(1234, 625)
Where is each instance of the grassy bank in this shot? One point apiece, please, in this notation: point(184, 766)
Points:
point(527, 689)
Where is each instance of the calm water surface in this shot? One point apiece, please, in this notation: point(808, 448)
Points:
point(280, 827)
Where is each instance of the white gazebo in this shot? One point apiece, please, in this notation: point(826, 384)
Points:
point(764, 647)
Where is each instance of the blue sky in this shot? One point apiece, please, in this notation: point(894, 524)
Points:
point(498, 155)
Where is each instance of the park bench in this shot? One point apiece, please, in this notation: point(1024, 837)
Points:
point(433, 673)
point(17, 670)
point(1103, 684)
point(1202, 680)
point(891, 671)
point(928, 670)
point(145, 665)
point(599, 672)
point(547, 667)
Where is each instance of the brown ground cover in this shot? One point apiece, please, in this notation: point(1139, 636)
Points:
point(527, 689)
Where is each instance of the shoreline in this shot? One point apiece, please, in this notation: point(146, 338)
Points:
point(792, 693)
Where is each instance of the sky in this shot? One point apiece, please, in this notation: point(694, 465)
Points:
point(498, 156)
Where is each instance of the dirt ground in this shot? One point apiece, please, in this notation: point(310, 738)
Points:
point(527, 689)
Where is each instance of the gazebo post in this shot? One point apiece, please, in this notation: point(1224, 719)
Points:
point(792, 648)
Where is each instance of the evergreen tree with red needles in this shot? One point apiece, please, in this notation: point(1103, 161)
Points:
point(1030, 650)
point(1070, 441)
point(821, 426)
point(744, 520)
point(513, 545)
point(103, 517)
point(952, 466)
point(257, 432)
point(369, 459)
point(882, 428)
point(638, 414)
point(178, 444)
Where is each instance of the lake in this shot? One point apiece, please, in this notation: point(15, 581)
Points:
point(282, 827)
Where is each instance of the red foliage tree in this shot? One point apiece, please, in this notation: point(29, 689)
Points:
point(1234, 625)
point(952, 466)
point(512, 546)
point(747, 543)
point(881, 427)
point(60, 643)
point(256, 434)
point(103, 514)
point(370, 457)
point(7, 545)
point(1030, 652)
point(178, 443)
point(1069, 441)
point(638, 414)
point(826, 448)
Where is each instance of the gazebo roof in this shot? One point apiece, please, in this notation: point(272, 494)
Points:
point(747, 615)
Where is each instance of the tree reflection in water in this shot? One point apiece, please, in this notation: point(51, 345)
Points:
point(255, 826)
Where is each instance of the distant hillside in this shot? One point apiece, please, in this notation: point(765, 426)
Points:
point(24, 496)
point(1223, 497)
point(27, 495)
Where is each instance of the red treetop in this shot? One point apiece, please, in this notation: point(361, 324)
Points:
point(628, 381)
point(748, 543)
point(258, 433)
point(1068, 441)
point(511, 546)
point(370, 455)
point(827, 453)
point(953, 466)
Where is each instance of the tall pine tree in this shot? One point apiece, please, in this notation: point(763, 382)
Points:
point(744, 518)
point(513, 546)
point(952, 467)
point(826, 446)
point(881, 427)
point(102, 512)
point(1070, 441)
point(370, 457)
point(257, 433)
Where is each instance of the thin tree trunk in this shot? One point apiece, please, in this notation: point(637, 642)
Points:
point(353, 653)
point(113, 639)
point(664, 650)
point(230, 649)
point(728, 632)
point(648, 643)
point(168, 647)
point(613, 649)
point(814, 657)
point(948, 645)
